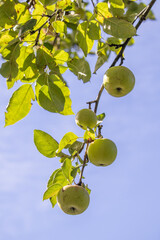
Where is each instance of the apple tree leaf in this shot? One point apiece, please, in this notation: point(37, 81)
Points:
point(67, 168)
point(53, 200)
point(84, 41)
point(94, 31)
point(117, 7)
point(75, 147)
point(52, 191)
point(101, 117)
point(7, 13)
point(45, 143)
point(53, 95)
point(102, 11)
point(88, 134)
point(59, 27)
point(119, 28)
point(19, 104)
point(80, 67)
point(68, 139)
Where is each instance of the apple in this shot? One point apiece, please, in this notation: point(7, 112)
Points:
point(86, 118)
point(73, 199)
point(102, 152)
point(118, 81)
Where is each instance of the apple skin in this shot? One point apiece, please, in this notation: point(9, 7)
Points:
point(118, 81)
point(73, 199)
point(102, 152)
point(86, 118)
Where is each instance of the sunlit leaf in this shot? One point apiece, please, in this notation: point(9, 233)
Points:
point(19, 104)
point(68, 139)
point(52, 191)
point(83, 39)
point(59, 27)
point(118, 28)
point(67, 168)
point(45, 143)
point(80, 68)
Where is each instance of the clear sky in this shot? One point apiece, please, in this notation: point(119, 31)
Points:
point(125, 197)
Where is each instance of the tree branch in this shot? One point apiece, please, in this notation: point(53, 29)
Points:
point(143, 15)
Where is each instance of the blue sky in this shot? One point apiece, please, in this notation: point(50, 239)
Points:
point(125, 196)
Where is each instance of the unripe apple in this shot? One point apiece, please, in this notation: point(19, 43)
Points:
point(102, 152)
point(73, 199)
point(118, 81)
point(86, 118)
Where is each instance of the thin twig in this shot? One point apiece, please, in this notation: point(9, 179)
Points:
point(93, 3)
point(84, 163)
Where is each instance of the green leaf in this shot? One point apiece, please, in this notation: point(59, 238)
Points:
point(28, 26)
point(60, 178)
point(88, 135)
point(56, 95)
point(117, 7)
point(67, 168)
point(23, 14)
point(53, 200)
point(88, 189)
point(100, 61)
point(19, 104)
point(44, 98)
point(59, 27)
point(45, 143)
point(117, 3)
point(101, 116)
point(80, 67)
point(75, 147)
point(102, 11)
point(12, 50)
point(72, 18)
point(68, 139)
point(48, 2)
point(50, 181)
point(118, 28)
point(94, 31)
point(44, 59)
point(60, 56)
point(7, 13)
point(9, 69)
point(84, 42)
point(52, 191)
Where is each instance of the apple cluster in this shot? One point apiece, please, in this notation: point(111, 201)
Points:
point(74, 199)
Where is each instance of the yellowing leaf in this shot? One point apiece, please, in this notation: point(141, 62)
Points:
point(19, 104)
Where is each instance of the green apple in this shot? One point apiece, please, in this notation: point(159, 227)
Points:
point(118, 81)
point(102, 152)
point(86, 118)
point(73, 199)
